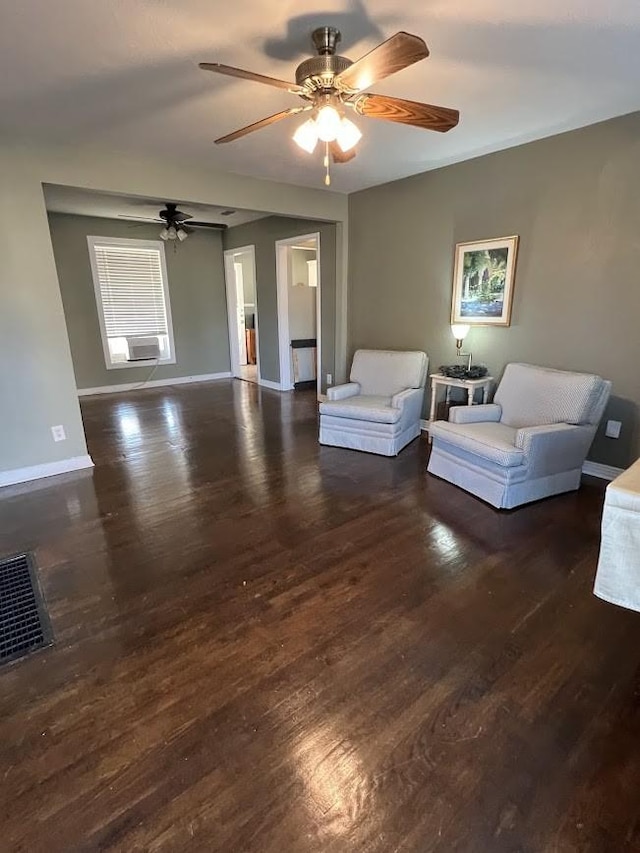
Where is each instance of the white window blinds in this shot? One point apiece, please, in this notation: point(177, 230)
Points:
point(132, 290)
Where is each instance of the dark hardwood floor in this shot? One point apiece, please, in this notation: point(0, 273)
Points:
point(265, 645)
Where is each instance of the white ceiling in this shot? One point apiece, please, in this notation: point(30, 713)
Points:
point(124, 73)
point(111, 206)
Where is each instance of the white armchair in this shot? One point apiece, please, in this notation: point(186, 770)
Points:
point(379, 409)
point(531, 442)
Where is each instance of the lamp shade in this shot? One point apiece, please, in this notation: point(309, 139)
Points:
point(348, 135)
point(460, 331)
point(328, 123)
point(306, 136)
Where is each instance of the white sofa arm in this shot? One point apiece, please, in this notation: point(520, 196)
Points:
point(342, 392)
point(398, 400)
point(554, 447)
point(475, 414)
point(409, 402)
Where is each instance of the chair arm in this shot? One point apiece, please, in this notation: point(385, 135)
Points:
point(341, 392)
point(409, 402)
point(475, 414)
point(398, 400)
point(552, 448)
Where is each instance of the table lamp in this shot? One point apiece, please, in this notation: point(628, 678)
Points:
point(460, 332)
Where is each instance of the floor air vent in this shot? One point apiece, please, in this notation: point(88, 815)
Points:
point(24, 623)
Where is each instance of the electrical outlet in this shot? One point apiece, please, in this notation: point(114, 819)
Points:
point(58, 433)
point(613, 429)
point(329, 379)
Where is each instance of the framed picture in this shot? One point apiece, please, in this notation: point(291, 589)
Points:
point(483, 282)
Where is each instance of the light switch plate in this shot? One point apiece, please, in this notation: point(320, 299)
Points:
point(613, 429)
point(58, 433)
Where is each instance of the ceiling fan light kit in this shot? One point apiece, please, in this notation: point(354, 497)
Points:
point(328, 126)
point(173, 233)
point(329, 84)
point(306, 136)
point(349, 135)
point(328, 123)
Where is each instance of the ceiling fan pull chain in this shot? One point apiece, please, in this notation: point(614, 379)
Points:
point(327, 177)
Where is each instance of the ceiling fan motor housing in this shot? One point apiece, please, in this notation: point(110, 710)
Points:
point(319, 72)
point(171, 214)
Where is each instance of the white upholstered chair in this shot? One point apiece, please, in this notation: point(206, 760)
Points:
point(379, 409)
point(531, 442)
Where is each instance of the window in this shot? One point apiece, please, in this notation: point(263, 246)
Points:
point(132, 296)
point(312, 266)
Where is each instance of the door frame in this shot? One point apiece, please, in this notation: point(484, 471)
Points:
point(284, 339)
point(232, 308)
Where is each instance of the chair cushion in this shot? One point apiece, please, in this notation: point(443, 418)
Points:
point(493, 441)
point(364, 407)
point(535, 396)
point(387, 372)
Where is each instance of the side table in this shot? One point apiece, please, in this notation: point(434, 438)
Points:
point(469, 385)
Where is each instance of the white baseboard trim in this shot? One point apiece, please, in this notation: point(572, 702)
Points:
point(48, 469)
point(267, 383)
point(594, 469)
point(153, 383)
point(604, 472)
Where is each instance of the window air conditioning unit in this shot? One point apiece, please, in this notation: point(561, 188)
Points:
point(143, 349)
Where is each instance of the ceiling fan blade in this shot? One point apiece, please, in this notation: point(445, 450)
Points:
point(218, 226)
point(142, 219)
point(394, 54)
point(257, 125)
point(426, 116)
point(340, 156)
point(230, 71)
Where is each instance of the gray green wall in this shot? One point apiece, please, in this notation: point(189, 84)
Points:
point(263, 234)
point(196, 290)
point(37, 387)
point(574, 199)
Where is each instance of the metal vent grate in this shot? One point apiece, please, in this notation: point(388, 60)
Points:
point(24, 624)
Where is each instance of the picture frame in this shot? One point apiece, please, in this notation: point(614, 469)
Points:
point(483, 276)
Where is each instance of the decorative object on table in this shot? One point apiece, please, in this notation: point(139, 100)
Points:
point(483, 282)
point(459, 371)
point(460, 332)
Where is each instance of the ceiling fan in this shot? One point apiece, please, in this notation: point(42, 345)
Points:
point(331, 84)
point(175, 222)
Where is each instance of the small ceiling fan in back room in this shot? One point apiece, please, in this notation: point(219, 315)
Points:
point(177, 225)
point(331, 85)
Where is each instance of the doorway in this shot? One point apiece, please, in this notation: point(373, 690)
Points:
point(242, 313)
point(299, 321)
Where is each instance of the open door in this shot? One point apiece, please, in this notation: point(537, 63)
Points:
point(242, 312)
point(299, 320)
